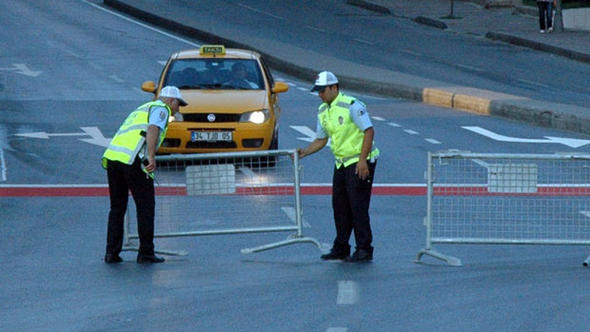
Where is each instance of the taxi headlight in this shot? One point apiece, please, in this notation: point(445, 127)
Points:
point(256, 117)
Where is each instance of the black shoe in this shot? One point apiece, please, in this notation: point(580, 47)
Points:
point(334, 255)
point(112, 258)
point(149, 259)
point(361, 255)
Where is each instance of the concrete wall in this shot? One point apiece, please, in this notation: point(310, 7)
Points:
point(576, 19)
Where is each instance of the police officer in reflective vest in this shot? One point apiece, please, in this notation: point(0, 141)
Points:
point(130, 163)
point(345, 121)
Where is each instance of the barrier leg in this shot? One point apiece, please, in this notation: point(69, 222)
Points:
point(290, 240)
point(454, 261)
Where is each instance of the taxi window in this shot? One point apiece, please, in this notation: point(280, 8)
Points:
point(221, 74)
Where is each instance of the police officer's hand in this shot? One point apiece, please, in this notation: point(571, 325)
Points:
point(362, 169)
point(151, 166)
point(301, 153)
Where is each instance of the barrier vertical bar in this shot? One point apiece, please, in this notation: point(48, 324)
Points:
point(297, 180)
point(428, 221)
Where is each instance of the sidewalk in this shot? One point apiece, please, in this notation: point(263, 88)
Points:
point(499, 23)
point(516, 25)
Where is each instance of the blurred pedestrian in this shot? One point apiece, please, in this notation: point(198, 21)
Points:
point(345, 121)
point(130, 161)
point(545, 15)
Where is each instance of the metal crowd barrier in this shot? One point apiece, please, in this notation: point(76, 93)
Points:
point(226, 193)
point(486, 198)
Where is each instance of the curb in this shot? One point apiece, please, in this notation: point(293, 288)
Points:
point(574, 55)
point(431, 22)
point(535, 112)
point(369, 6)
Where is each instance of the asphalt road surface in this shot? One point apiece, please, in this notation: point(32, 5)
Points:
point(73, 71)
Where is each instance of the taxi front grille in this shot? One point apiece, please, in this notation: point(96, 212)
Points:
point(203, 117)
point(211, 145)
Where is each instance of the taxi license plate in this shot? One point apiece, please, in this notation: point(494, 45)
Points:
point(211, 136)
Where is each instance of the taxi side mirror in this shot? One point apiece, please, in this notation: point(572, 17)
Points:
point(280, 87)
point(149, 86)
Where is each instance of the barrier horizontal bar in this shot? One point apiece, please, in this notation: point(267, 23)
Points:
point(220, 155)
point(469, 155)
point(508, 241)
point(223, 232)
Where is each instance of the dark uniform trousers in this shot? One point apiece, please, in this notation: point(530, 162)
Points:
point(351, 197)
point(122, 179)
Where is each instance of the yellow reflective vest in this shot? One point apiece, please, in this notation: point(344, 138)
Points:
point(346, 139)
point(130, 138)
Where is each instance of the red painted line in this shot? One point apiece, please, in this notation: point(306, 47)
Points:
point(52, 191)
point(306, 189)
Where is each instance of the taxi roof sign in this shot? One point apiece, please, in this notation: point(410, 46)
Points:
point(212, 50)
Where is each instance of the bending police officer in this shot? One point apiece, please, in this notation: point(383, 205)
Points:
point(130, 161)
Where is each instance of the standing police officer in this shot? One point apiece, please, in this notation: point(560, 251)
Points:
point(345, 121)
point(130, 161)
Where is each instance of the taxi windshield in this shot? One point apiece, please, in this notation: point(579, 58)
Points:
point(221, 74)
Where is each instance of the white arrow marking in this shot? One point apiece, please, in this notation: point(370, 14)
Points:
point(21, 68)
point(97, 137)
point(305, 131)
point(571, 142)
point(44, 135)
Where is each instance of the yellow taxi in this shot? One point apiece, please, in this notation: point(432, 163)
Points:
point(233, 102)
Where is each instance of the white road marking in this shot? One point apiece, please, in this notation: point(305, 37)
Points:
point(411, 132)
point(410, 52)
point(315, 29)
point(141, 24)
point(116, 78)
point(303, 89)
point(533, 83)
point(469, 68)
point(45, 135)
point(97, 138)
point(362, 41)
point(311, 136)
point(378, 118)
point(162, 62)
point(337, 329)
point(2, 166)
point(393, 124)
point(262, 12)
point(571, 142)
point(248, 172)
point(432, 141)
point(347, 292)
point(290, 212)
point(22, 69)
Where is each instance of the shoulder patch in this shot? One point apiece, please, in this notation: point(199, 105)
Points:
point(162, 115)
